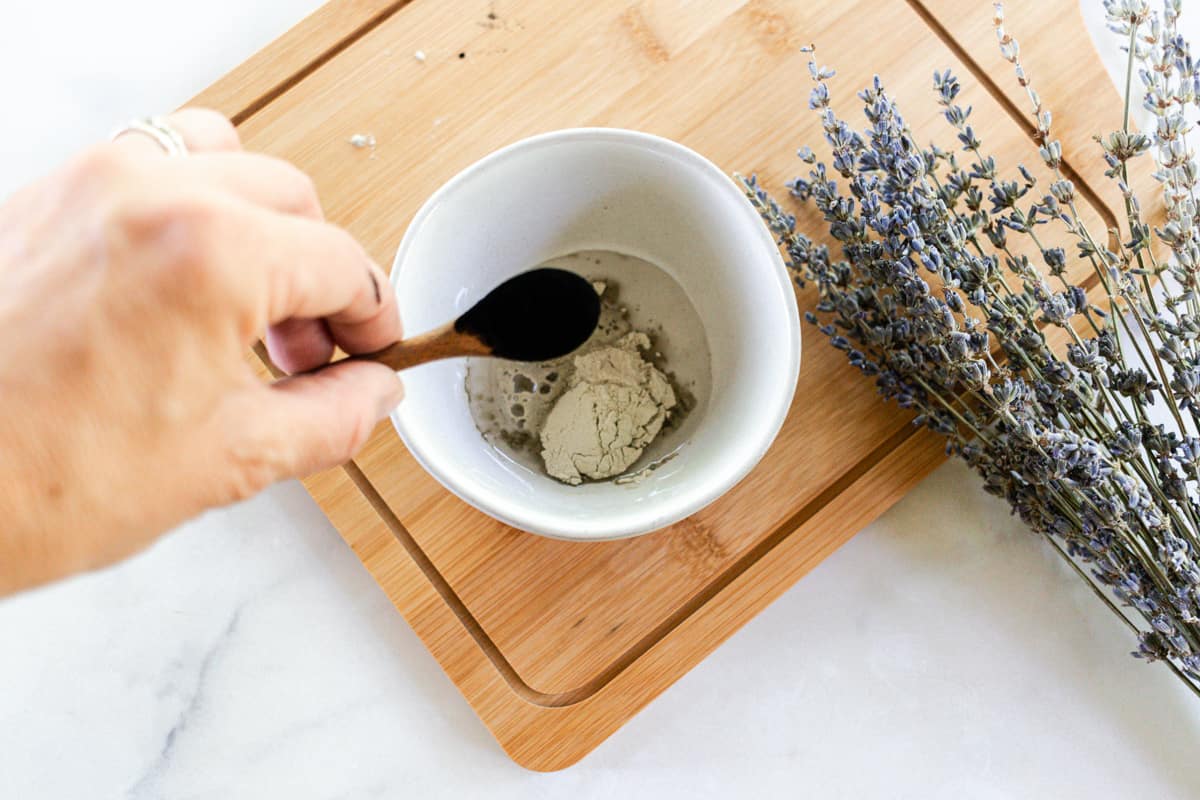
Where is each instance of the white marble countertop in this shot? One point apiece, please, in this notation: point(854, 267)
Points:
point(941, 653)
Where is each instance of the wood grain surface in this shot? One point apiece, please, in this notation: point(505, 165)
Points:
point(557, 644)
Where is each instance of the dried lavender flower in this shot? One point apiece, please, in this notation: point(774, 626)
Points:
point(930, 300)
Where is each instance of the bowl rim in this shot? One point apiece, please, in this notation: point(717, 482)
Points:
point(641, 521)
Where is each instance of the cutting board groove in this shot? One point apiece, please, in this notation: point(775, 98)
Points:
point(555, 645)
point(721, 581)
point(1017, 109)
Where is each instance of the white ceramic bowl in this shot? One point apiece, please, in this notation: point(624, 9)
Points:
point(600, 189)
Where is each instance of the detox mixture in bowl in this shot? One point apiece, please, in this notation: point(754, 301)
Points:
point(622, 404)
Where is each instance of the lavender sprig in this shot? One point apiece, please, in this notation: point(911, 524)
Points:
point(933, 301)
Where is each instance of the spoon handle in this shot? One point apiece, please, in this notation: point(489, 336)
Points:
point(434, 345)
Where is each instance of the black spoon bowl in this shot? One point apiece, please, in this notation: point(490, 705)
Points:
point(534, 316)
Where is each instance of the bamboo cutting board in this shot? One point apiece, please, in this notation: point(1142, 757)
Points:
point(556, 644)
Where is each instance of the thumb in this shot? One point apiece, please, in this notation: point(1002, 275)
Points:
point(328, 415)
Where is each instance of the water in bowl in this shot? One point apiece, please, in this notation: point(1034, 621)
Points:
point(509, 400)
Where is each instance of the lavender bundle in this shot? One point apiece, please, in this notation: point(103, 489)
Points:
point(1095, 445)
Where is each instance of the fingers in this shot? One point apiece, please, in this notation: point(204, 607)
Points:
point(298, 345)
point(203, 131)
point(316, 287)
point(216, 157)
point(259, 179)
point(363, 330)
point(309, 271)
point(321, 420)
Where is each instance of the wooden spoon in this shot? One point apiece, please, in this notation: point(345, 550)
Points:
point(535, 316)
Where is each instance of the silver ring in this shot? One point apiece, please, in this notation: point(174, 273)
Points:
point(157, 129)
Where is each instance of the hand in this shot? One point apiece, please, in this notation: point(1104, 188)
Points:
point(131, 286)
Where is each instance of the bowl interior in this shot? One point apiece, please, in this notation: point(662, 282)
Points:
point(614, 190)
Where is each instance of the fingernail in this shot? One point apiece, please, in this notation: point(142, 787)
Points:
point(375, 285)
point(388, 403)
